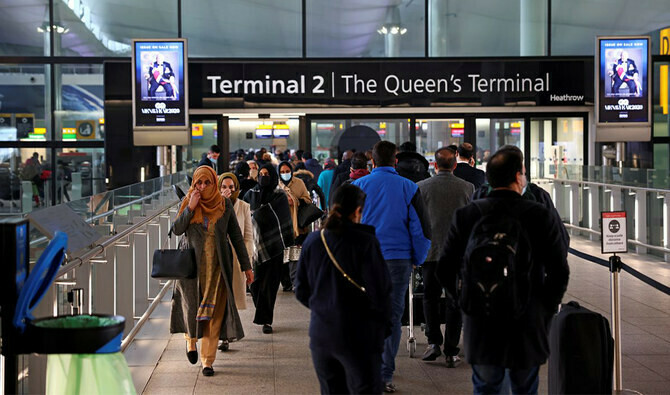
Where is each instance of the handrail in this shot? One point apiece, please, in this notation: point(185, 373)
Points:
point(105, 214)
point(602, 184)
point(631, 241)
point(145, 317)
point(77, 261)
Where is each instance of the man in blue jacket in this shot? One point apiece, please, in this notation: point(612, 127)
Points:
point(395, 208)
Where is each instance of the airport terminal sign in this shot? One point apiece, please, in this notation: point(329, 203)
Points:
point(555, 82)
point(614, 232)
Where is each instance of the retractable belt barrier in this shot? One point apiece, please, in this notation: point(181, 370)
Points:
point(635, 273)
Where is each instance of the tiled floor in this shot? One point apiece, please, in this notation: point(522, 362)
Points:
point(280, 363)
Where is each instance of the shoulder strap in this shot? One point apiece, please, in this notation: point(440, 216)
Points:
point(337, 265)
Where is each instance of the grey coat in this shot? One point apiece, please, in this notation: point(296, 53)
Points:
point(186, 296)
point(442, 195)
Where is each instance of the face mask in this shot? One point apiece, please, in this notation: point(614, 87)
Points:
point(253, 173)
point(212, 160)
point(285, 176)
point(263, 181)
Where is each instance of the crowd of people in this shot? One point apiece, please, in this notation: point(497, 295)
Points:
point(491, 242)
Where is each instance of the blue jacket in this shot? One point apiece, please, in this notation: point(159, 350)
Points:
point(325, 180)
point(395, 208)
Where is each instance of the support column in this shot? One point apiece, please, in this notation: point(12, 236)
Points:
point(594, 211)
point(616, 199)
point(533, 28)
point(641, 220)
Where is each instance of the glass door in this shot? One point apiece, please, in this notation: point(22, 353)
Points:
point(556, 147)
point(493, 133)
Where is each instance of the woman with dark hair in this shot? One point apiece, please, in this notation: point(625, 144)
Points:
point(342, 278)
point(229, 187)
point(205, 306)
point(273, 230)
point(242, 172)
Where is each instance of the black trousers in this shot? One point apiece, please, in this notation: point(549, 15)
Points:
point(347, 371)
point(264, 289)
point(431, 310)
point(285, 276)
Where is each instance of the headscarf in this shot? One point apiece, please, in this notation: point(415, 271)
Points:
point(268, 190)
point(290, 166)
point(242, 170)
point(329, 164)
point(234, 195)
point(211, 204)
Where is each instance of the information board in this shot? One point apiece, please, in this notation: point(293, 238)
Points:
point(160, 84)
point(614, 232)
point(622, 80)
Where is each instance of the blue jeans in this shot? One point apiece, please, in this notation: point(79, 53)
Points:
point(400, 270)
point(488, 379)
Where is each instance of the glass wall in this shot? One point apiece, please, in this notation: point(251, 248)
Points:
point(331, 137)
point(239, 28)
point(254, 134)
point(493, 133)
point(365, 29)
point(432, 134)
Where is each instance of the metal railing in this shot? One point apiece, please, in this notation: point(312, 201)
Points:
point(580, 203)
point(114, 274)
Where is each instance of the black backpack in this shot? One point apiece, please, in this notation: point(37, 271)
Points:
point(495, 276)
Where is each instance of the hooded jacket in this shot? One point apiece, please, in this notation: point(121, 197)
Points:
point(314, 167)
point(412, 166)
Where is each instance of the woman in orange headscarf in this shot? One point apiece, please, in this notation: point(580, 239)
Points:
point(199, 306)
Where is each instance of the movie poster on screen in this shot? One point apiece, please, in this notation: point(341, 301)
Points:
point(160, 84)
point(622, 74)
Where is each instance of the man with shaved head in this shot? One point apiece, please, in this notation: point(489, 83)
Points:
point(442, 195)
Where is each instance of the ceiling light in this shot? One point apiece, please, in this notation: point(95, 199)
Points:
point(44, 27)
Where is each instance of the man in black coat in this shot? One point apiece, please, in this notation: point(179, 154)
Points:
point(411, 164)
point(210, 158)
point(518, 343)
point(465, 168)
point(342, 170)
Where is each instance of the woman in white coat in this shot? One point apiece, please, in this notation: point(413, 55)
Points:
point(229, 187)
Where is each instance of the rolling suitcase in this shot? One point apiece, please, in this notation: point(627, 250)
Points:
point(581, 352)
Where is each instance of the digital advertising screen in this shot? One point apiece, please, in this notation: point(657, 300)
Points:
point(160, 86)
point(622, 80)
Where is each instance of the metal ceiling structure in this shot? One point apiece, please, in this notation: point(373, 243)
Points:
point(343, 28)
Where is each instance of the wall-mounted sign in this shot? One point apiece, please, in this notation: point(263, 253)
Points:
point(24, 125)
point(554, 82)
point(614, 232)
point(85, 130)
point(623, 81)
point(5, 120)
point(264, 132)
point(160, 87)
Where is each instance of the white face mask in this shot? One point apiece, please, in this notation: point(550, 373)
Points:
point(285, 176)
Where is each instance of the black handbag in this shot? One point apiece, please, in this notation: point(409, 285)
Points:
point(176, 264)
point(308, 213)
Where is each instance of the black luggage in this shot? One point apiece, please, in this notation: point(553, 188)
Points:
point(582, 352)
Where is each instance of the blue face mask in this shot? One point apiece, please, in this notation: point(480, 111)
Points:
point(286, 177)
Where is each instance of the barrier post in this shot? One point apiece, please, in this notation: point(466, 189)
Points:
point(615, 269)
point(615, 240)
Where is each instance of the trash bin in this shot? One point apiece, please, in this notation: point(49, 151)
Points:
point(84, 351)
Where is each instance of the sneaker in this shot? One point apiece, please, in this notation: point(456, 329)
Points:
point(389, 388)
point(453, 361)
point(267, 329)
point(431, 353)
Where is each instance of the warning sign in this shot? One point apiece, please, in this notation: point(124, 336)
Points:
point(614, 232)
